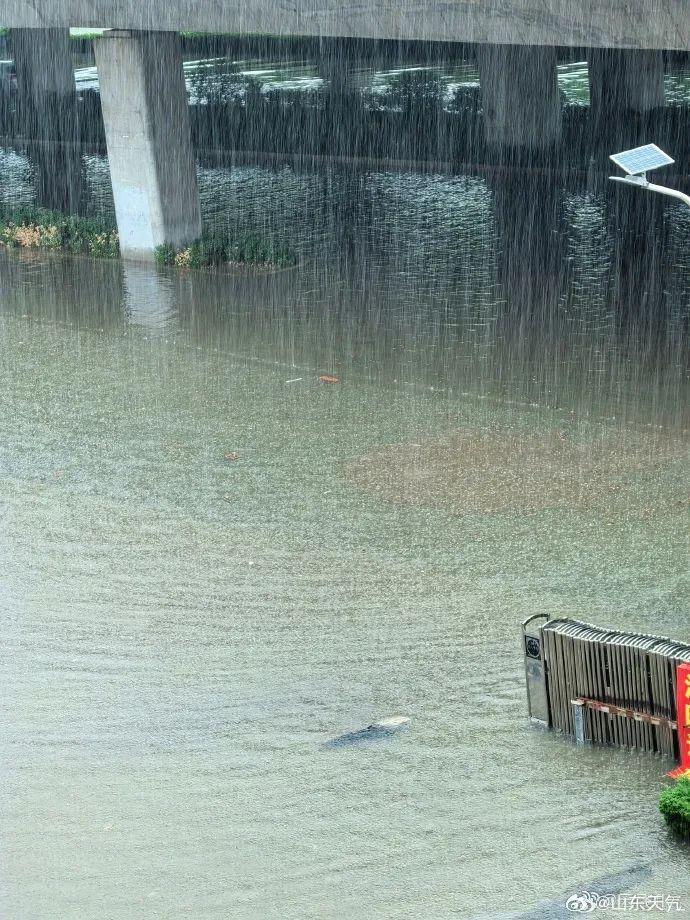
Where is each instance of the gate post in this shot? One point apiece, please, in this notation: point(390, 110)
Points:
point(535, 672)
point(579, 720)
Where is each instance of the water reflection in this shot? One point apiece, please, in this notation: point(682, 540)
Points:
point(148, 298)
point(589, 267)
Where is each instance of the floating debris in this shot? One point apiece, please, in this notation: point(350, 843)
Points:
point(231, 456)
point(328, 378)
point(374, 732)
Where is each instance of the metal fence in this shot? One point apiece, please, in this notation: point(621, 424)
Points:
point(603, 685)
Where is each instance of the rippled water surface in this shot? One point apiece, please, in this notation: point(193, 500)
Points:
point(183, 632)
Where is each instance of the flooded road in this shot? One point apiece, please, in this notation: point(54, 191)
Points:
point(184, 633)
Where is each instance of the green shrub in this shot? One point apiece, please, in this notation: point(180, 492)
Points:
point(164, 254)
point(104, 245)
point(283, 256)
point(209, 250)
point(37, 228)
point(674, 805)
point(215, 248)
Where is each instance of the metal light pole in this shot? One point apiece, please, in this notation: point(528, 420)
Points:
point(638, 162)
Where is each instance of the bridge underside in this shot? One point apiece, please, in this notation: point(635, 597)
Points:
point(144, 99)
point(581, 23)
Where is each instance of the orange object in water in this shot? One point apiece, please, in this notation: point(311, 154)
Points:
point(328, 378)
point(232, 456)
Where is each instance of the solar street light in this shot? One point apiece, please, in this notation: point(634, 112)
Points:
point(636, 163)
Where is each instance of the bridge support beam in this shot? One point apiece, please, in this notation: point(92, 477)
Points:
point(625, 80)
point(343, 99)
point(337, 71)
point(146, 119)
point(520, 97)
point(47, 115)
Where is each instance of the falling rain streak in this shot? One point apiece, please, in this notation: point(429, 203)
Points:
point(249, 510)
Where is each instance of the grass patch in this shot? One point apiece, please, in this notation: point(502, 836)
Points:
point(239, 248)
point(674, 805)
point(35, 228)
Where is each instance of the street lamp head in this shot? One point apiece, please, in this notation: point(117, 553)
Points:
point(636, 163)
point(640, 160)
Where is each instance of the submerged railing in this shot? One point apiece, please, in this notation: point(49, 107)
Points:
point(607, 686)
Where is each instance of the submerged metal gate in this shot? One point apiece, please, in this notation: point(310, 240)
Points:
point(603, 685)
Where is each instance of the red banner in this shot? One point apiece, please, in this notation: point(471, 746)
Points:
point(683, 704)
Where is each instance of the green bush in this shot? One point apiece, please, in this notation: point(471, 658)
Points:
point(209, 250)
point(221, 249)
point(37, 228)
point(164, 254)
point(674, 805)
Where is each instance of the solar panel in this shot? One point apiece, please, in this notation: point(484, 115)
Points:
point(641, 159)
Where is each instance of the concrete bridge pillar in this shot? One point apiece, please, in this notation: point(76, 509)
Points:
point(47, 115)
point(520, 97)
point(343, 100)
point(147, 130)
point(336, 70)
point(625, 80)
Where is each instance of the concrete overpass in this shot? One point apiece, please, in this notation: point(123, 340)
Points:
point(643, 24)
point(144, 100)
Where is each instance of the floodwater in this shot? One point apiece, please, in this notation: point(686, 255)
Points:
point(213, 562)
